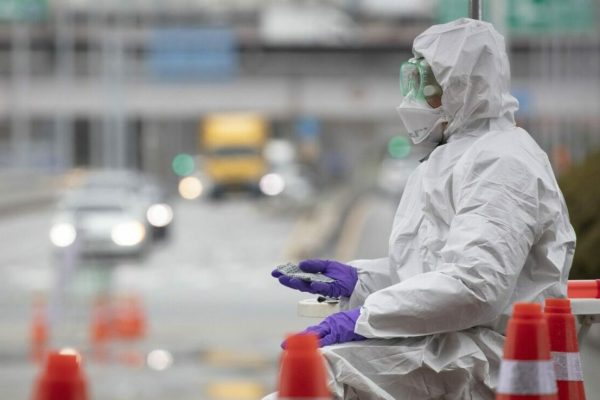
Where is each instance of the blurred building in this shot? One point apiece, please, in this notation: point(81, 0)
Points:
point(125, 83)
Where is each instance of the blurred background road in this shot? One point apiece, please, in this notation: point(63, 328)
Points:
point(197, 297)
point(211, 305)
point(159, 158)
point(215, 317)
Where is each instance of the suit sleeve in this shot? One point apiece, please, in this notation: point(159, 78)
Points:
point(373, 275)
point(490, 236)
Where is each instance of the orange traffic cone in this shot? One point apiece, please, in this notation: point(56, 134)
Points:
point(39, 333)
point(130, 325)
point(302, 374)
point(565, 350)
point(61, 379)
point(584, 289)
point(100, 329)
point(130, 321)
point(527, 371)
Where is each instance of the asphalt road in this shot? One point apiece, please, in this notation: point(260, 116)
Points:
point(208, 297)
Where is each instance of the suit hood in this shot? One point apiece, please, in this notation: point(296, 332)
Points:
point(468, 58)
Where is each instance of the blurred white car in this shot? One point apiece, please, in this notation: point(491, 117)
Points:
point(158, 212)
point(286, 179)
point(288, 183)
point(101, 222)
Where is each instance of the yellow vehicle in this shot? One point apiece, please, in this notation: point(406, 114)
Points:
point(233, 147)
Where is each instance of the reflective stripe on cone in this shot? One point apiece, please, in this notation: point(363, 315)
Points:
point(526, 378)
point(567, 366)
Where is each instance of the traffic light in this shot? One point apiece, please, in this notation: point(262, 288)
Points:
point(183, 164)
point(399, 147)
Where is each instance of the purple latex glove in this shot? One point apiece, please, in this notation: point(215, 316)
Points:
point(345, 278)
point(337, 328)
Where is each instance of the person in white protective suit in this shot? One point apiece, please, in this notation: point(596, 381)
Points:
point(481, 225)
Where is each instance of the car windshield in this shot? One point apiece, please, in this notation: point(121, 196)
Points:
point(97, 209)
point(235, 151)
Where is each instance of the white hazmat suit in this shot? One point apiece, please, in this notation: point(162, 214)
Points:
point(482, 224)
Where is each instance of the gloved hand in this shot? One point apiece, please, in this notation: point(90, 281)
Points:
point(337, 328)
point(345, 278)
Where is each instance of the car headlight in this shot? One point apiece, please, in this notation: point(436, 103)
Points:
point(190, 188)
point(159, 215)
point(128, 233)
point(272, 184)
point(63, 234)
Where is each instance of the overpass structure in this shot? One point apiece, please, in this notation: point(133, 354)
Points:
point(117, 83)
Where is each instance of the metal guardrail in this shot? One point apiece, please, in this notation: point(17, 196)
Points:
point(26, 191)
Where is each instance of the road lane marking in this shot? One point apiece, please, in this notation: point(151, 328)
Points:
point(312, 230)
point(235, 390)
point(233, 359)
point(351, 231)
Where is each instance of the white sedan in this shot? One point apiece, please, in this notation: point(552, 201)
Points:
point(98, 222)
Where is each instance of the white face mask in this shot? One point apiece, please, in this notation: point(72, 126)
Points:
point(422, 121)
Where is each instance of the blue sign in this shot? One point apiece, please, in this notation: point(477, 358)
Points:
point(524, 98)
point(308, 128)
point(193, 53)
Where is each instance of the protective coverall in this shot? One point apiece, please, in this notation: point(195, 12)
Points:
point(481, 224)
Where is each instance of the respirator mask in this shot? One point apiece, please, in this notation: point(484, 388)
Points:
point(421, 110)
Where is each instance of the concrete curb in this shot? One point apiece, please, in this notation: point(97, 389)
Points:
point(316, 232)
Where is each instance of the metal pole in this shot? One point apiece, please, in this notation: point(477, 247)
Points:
point(475, 9)
point(20, 139)
point(64, 74)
